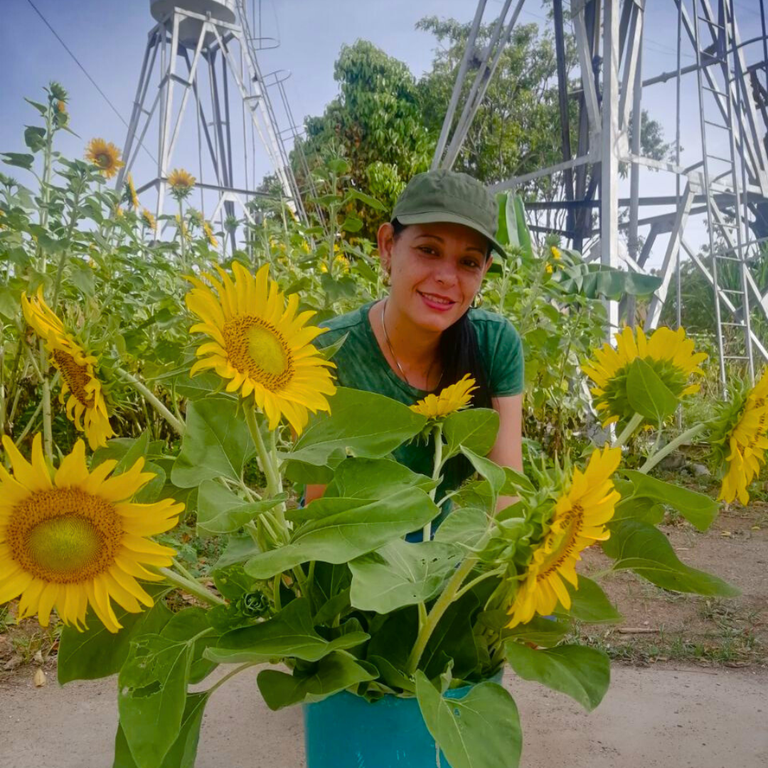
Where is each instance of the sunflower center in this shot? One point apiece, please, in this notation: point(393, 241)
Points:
point(560, 544)
point(64, 544)
point(103, 160)
point(258, 350)
point(64, 535)
point(76, 377)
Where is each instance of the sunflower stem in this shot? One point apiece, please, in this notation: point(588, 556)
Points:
point(437, 433)
point(628, 431)
point(447, 596)
point(229, 675)
point(193, 587)
point(154, 401)
point(183, 571)
point(276, 592)
point(475, 581)
point(34, 416)
point(274, 482)
point(653, 460)
point(47, 414)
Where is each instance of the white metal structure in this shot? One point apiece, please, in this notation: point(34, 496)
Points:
point(727, 185)
point(203, 52)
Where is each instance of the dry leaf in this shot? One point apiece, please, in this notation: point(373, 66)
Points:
point(40, 678)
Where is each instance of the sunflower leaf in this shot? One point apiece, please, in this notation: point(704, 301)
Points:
point(582, 673)
point(216, 443)
point(479, 730)
point(590, 604)
point(640, 547)
point(219, 511)
point(647, 393)
point(332, 674)
point(696, 508)
point(474, 428)
point(291, 633)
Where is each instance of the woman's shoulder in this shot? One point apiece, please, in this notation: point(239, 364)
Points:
point(351, 322)
point(491, 323)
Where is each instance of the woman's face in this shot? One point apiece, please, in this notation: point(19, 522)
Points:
point(435, 270)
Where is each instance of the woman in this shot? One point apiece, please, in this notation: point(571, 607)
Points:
point(424, 335)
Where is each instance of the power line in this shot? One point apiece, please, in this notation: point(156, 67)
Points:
point(85, 71)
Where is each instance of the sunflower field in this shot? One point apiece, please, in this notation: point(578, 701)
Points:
point(161, 374)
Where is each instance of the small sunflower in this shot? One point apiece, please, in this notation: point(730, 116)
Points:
point(73, 537)
point(148, 219)
point(181, 183)
point(449, 400)
point(131, 190)
point(261, 344)
point(556, 254)
point(668, 352)
point(105, 155)
point(86, 406)
point(61, 107)
point(579, 520)
point(548, 269)
point(739, 439)
point(212, 241)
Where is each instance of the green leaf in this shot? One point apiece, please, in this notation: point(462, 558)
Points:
point(645, 550)
point(183, 752)
point(186, 624)
point(152, 693)
point(332, 674)
point(539, 630)
point(590, 604)
point(34, 137)
point(368, 478)
point(400, 573)
point(18, 160)
point(479, 730)
point(466, 526)
point(696, 508)
point(392, 676)
point(352, 224)
point(453, 640)
point(219, 511)
point(290, 633)
point(239, 549)
point(365, 424)
point(216, 443)
point(341, 529)
point(582, 673)
point(354, 194)
point(97, 652)
point(596, 281)
point(492, 472)
point(648, 394)
point(474, 428)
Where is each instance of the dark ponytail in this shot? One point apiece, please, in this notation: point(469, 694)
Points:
point(460, 352)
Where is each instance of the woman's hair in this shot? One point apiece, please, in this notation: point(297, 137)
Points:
point(459, 350)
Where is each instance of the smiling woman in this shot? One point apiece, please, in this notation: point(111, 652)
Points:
point(425, 335)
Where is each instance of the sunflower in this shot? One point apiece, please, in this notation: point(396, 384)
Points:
point(132, 196)
point(556, 254)
point(105, 155)
point(73, 537)
point(213, 242)
point(61, 107)
point(578, 521)
point(452, 398)
point(668, 352)
point(181, 183)
point(261, 344)
point(86, 406)
point(739, 439)
point(548, 269)
point(148, 219)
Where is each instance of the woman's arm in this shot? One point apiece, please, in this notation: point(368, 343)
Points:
point(508, 449)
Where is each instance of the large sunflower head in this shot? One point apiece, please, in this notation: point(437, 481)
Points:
point(578, 520)
point(181, 183)
point(86, 406)
point(261, 344)
point(105, 155)
point(739, 439)
point(71, 537)
point(668, 352)
point(130, 190)
point(449, 400)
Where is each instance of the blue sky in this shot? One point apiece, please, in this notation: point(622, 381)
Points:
point(109, 36)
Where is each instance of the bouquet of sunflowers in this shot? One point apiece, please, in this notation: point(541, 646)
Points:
point(333, 593)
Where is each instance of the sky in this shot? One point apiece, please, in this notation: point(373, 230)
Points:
point(109, 36)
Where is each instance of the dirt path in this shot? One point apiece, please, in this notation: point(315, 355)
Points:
point(660, 717)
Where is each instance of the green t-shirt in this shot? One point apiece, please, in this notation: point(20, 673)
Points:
point(360, 364)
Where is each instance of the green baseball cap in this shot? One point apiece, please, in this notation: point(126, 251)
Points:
point(449, 196)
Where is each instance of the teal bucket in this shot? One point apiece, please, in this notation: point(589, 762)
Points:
point(346, 731)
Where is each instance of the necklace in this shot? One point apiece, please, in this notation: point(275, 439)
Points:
point(392, 351)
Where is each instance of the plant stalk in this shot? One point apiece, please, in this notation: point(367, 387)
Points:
point(653, 460)
point(140, 387)
point(437, 433)
point(193, 587)
point(628, 431)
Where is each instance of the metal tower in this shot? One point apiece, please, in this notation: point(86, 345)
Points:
point(727, 186)
point(204, 51)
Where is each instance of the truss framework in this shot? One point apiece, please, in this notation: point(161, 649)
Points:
point(728, 191)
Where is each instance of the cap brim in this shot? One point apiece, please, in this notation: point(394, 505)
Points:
point(438, 217)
